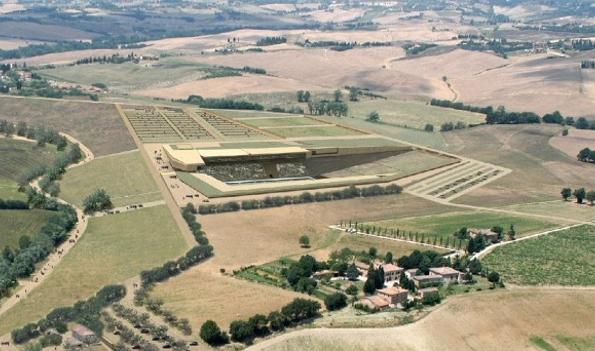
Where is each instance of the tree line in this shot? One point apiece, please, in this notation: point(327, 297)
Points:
point(86, 312)
point(20, 263)
point(501, 116)
point(306, 197)
point(588, 64)
point(266, 41)
point(113, 59)
point(222, 103)
point(245, 331)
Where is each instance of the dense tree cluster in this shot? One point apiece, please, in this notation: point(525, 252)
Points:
point(423, 260)
point(21, 263)
point(259, 325)
point(588, 64)
point(327, 107)
point(375, 280)
point(98, 200)
point(223, 103)
point(586, 155)
point(416, 48)
point(306, 197)
point(85, 312)
point(303, 96)
point(500, 46)
point(266, 41)
point(299, 274)
point(113, 59)
point(13, 205)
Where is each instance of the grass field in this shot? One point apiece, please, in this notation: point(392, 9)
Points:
point(125, 177)
point(9, 190)
point(562, 258)
point(16, 223)
point(559, 208)
point(463, 323)
point(322, 131)
point(446, 224)
point(16, 156)
point(127, 76)
point(114, 248)
point(412, 113)
point(281, 122)
point(98, 126)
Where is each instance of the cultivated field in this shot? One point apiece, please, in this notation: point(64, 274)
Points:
point(465, 322)
point(125, 177)
point(562, 258)
point(313, 131)
point(575, 141)
point(96, 125)
point(114, 248)
point(16, 156)
point(445, 225)
point(16, 223)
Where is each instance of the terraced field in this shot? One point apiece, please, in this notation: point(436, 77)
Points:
point(457, 180)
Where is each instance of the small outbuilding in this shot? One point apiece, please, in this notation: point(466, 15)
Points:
point(84, 334)
point(394, 295)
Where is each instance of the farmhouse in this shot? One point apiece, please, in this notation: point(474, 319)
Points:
point(422, 281)
point(375, 301)
point(410, 273)
point(448, 274)
point(394, 295)
point(391, 272)
point(488, 234)
point(84, 334)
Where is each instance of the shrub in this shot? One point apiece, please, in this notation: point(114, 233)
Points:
point(335, 301)
point(212, 334)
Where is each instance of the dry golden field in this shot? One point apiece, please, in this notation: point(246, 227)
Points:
point(575, 141)
point(495, 320)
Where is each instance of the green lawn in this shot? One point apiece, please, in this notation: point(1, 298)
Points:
point(562, 258)
point(114, 248)
point(9, 190)
point(17, 155)
point(281, 122)
point(125, 177)
point(313, 132)
point(16, 223)
point(412, 113)
point(446, 224)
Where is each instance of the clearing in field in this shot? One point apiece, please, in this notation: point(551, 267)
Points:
point(561, 258)
point(464, 322)
point(124, 176)
point(445, 225)
point(412, 113)
point(9, 190)
point(16, 223)
point(97, 125)
point(114, 248)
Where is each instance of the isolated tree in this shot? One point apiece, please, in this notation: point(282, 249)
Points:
point(373, 117)
point(352, 272)
point(98, 200)
point(212, 334)
point(579, 194)
point(338, 95)
point(584, 155)
point(353, 94)
point(566, 193)
point(511, 233)
point(335, 301)
point(373, 252)
point(388, 257)
point(590, 196)
point(429, 128)
point(304, 241)
point(494, 278)
point(353, 292)
point(370, 286)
